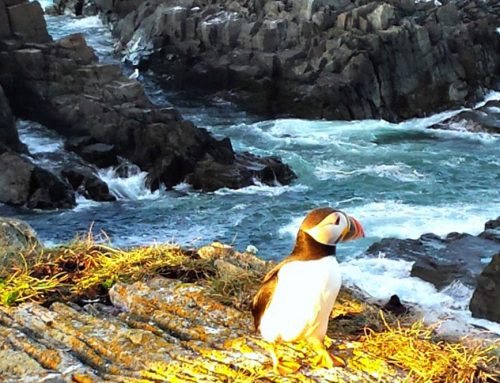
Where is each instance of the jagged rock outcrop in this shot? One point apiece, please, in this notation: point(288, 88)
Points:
point(105, 115)
point(485, 119)
point(441, 261)
point(485, 302)
point(330, 59)
point(17, 241)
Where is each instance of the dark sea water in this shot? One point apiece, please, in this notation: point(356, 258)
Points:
point(400, 180)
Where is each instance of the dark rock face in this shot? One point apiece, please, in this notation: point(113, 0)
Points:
point(105, 115)
point(438, 260)
point(26, 21)
point(331, 59)
point(23, 183)
point(8, 131)
point(485, 119)
point(90, 186)
point(211, 175)
point(485, 302)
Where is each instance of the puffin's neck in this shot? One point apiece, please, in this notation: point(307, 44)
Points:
point(307, 248)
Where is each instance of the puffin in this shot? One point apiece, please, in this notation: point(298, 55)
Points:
point(296, 297)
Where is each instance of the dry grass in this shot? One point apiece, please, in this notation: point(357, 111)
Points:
point(84, 269)
point(413, 349)
point(385, 347)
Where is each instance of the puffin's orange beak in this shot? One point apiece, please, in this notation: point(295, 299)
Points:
point(353, 231)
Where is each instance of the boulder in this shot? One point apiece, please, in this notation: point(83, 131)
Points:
point(18, 245)
point(210, 175)
point(24, 183)
point(89, 185)
point(27, 21)
point(440, 261)
point(485, 302)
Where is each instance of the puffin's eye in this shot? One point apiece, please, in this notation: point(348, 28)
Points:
point(338, 220)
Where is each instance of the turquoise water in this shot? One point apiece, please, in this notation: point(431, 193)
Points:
point(399, 180)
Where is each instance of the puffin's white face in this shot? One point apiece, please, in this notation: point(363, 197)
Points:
point(336, 227)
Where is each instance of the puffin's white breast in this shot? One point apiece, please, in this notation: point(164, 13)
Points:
point(302, 301)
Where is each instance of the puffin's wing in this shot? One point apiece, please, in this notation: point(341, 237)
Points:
point(263, 298)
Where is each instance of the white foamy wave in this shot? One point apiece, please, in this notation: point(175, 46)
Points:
point(132, 187)
point(318, 133)
point(380, 278)
point(459, 130)
point(265, 190)
point(83, 203)
point(87, 22)
point(45, 3)
point(399, 220)
point(490, 96)
point(397, 172)
point(38, 138)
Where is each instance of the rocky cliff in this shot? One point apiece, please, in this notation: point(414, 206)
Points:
point(106, 116)
point(336, 59)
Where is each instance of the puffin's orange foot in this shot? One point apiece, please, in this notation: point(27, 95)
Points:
point(323, 358)
point(284, 368)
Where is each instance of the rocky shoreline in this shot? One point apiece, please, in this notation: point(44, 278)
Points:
point(339, 59)
point(105, 118)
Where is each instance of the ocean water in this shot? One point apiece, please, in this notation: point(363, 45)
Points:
point(400, 180)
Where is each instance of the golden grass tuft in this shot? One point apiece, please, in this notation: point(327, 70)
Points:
point(413, 349)
point(85, 269)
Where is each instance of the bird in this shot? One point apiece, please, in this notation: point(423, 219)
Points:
point(295, 299)
point(134, 75)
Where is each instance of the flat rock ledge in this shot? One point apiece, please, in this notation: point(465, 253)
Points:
point(160, 330)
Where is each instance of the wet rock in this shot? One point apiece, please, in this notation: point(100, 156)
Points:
point(441, 261)
point(87, 184)
point(211, 175)
point(47, 191)
point(17, 241)
point(485, 302)
point(105, 115)
point(23, 183)
point(485, 119)
point(492, 230)
point(390, 59)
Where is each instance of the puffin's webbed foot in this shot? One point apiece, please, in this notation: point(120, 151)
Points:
point(324, 359)
point(284, 367)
